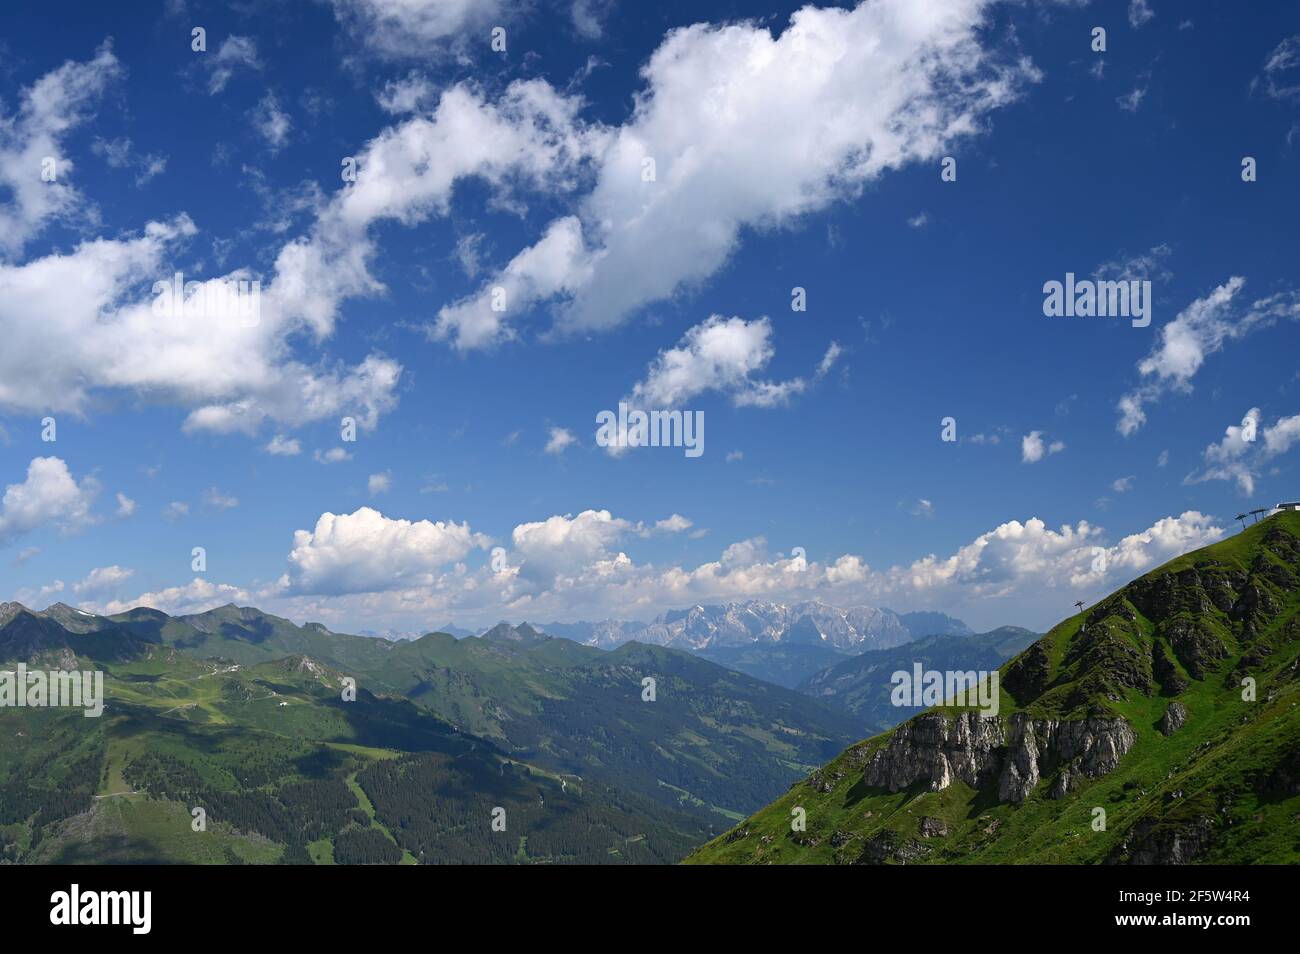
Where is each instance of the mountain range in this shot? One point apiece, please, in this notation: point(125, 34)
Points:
point(848, 630)
point(781, 643)
point(1160, 725)
point(240, 713)
point(862, 684)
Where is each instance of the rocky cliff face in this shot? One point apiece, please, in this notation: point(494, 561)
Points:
point(1090, 747)
point(936, 749)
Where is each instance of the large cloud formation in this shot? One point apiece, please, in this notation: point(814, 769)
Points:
point(234, 371)
point(748, 130)
point(718, 170)
point(368, 552)
point(368, 570)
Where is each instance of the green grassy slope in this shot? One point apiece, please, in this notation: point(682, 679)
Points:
point(712, 736)
point(1223, 788)
point(712, 740)
point(287, 771)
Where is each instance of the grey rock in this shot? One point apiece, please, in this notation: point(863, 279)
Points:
point(936, 749)
point(933, 827)
point(1173, 719)
point(1150, 842)
point(1063, 784)
point(887, 846)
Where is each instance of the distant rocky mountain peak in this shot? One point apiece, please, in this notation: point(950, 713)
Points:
point(848, 630)
point(521, 635)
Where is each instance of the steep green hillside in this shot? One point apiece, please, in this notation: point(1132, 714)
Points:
point(1125, 735)
point(287, 771)
point(861, 684)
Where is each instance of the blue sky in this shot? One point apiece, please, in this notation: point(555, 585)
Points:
point(787, 155)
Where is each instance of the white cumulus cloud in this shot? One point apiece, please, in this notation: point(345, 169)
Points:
point(366, 551)
point(49, 496)
point(854, 94)
point(103, 579)
point(1034, 448)
point(1244, 450)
